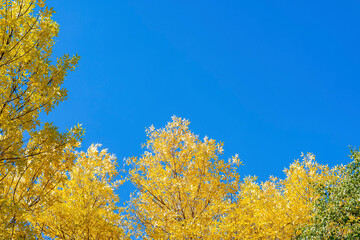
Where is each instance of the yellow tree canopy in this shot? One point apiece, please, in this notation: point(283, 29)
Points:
point(276, 209)
point(184, 191)
point(34, 156)
point(85, 206)
point(181, 184)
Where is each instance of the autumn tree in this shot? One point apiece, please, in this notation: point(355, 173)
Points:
point(181, 184)
point(34, 155)
point(184, 191)
point(85, 206)
point(277, 208)
point(337, 211)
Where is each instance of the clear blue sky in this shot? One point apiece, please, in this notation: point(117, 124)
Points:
point(271, 79)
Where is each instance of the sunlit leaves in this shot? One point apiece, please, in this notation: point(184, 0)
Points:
point(182, 185)
point(34, 156)
point(185, 191)
point(85, 204)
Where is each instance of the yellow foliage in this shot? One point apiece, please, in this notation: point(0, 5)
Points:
point(276, 209)
point(44, 192)
point(34, 156)
point(181, 184)
point(185, 192)
point(85, 204)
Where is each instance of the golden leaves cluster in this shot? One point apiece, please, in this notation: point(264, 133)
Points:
point(181, 183)
point(184, 191)
point(37, 161)
point(85, 206)
point(276, 209)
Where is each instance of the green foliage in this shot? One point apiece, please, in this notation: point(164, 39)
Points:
point(337, 211)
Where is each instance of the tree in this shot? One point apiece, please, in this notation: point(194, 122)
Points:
point(275, 209)
point(181, 184)
point(34, 156)
point(185, 192)
point(337, 210)
point(85, 206)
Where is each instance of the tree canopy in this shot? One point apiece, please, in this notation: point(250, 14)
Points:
point(50, 189)
point(38, 163)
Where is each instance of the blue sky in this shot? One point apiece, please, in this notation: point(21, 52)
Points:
point(270, 79)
